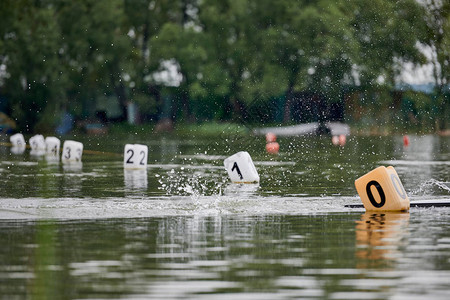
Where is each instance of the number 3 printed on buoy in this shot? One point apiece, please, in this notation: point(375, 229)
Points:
point(382, 190)
point(241, 169)
point(72, 152)
point(135, 156)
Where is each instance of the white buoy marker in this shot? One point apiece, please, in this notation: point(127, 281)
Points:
point(135, 156)
point(241, 169)
point(72, 151)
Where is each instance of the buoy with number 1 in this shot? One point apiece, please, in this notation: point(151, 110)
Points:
point(241, 169)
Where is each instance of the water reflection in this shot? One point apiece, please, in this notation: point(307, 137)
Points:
point(233, 189)
point(249, 257)
point(135, 179)
point(51, 159)
point(17, 150)
point(37, 152)
point(73, 166)
point(379, 237)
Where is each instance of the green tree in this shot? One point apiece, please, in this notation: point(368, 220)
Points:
point(387, 33)
point(35, 81)
point(144, 21)
point(96, 50)
point(437, 18)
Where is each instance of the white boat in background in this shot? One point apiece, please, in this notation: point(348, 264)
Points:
point(332, 128)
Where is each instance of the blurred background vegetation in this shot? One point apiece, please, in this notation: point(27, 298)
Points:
point(244, 61)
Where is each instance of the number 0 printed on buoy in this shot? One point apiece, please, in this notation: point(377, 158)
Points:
point(241, 169)
point(382, 190)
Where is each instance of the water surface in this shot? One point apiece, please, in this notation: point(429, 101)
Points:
point(181, 230)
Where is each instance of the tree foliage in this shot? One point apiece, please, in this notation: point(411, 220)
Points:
point(61, 55)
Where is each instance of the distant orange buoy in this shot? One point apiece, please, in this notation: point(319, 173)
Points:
point(272, 147)
point(270, 137)
point(339, 140)
point(405, 140)
point(335, 140)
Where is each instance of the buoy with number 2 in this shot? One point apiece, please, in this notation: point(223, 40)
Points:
point(135, 156)
point(382, 190)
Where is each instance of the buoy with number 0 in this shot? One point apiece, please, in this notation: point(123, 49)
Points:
point(240, 168)
point(135, 156)
point(382, 190)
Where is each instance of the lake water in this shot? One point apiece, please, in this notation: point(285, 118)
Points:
point(181, 230)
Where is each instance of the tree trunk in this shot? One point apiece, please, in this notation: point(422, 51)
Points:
point(119, 90)
point(288, 103)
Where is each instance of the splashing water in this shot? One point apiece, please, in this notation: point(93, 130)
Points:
point(431, 187)
point(184, 182)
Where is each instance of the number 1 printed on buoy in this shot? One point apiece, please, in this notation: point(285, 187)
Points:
point(241, 169)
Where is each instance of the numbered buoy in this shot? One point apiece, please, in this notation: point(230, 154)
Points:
point(17, 140)
point(52, 145)
point(382, 190)
point(135, 156)
point(241, 169)
point(72, 151)
point(37, 143)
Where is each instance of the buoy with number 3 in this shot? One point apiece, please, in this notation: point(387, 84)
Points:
point(382, 190)
point(241, 169)
point(72, 152)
